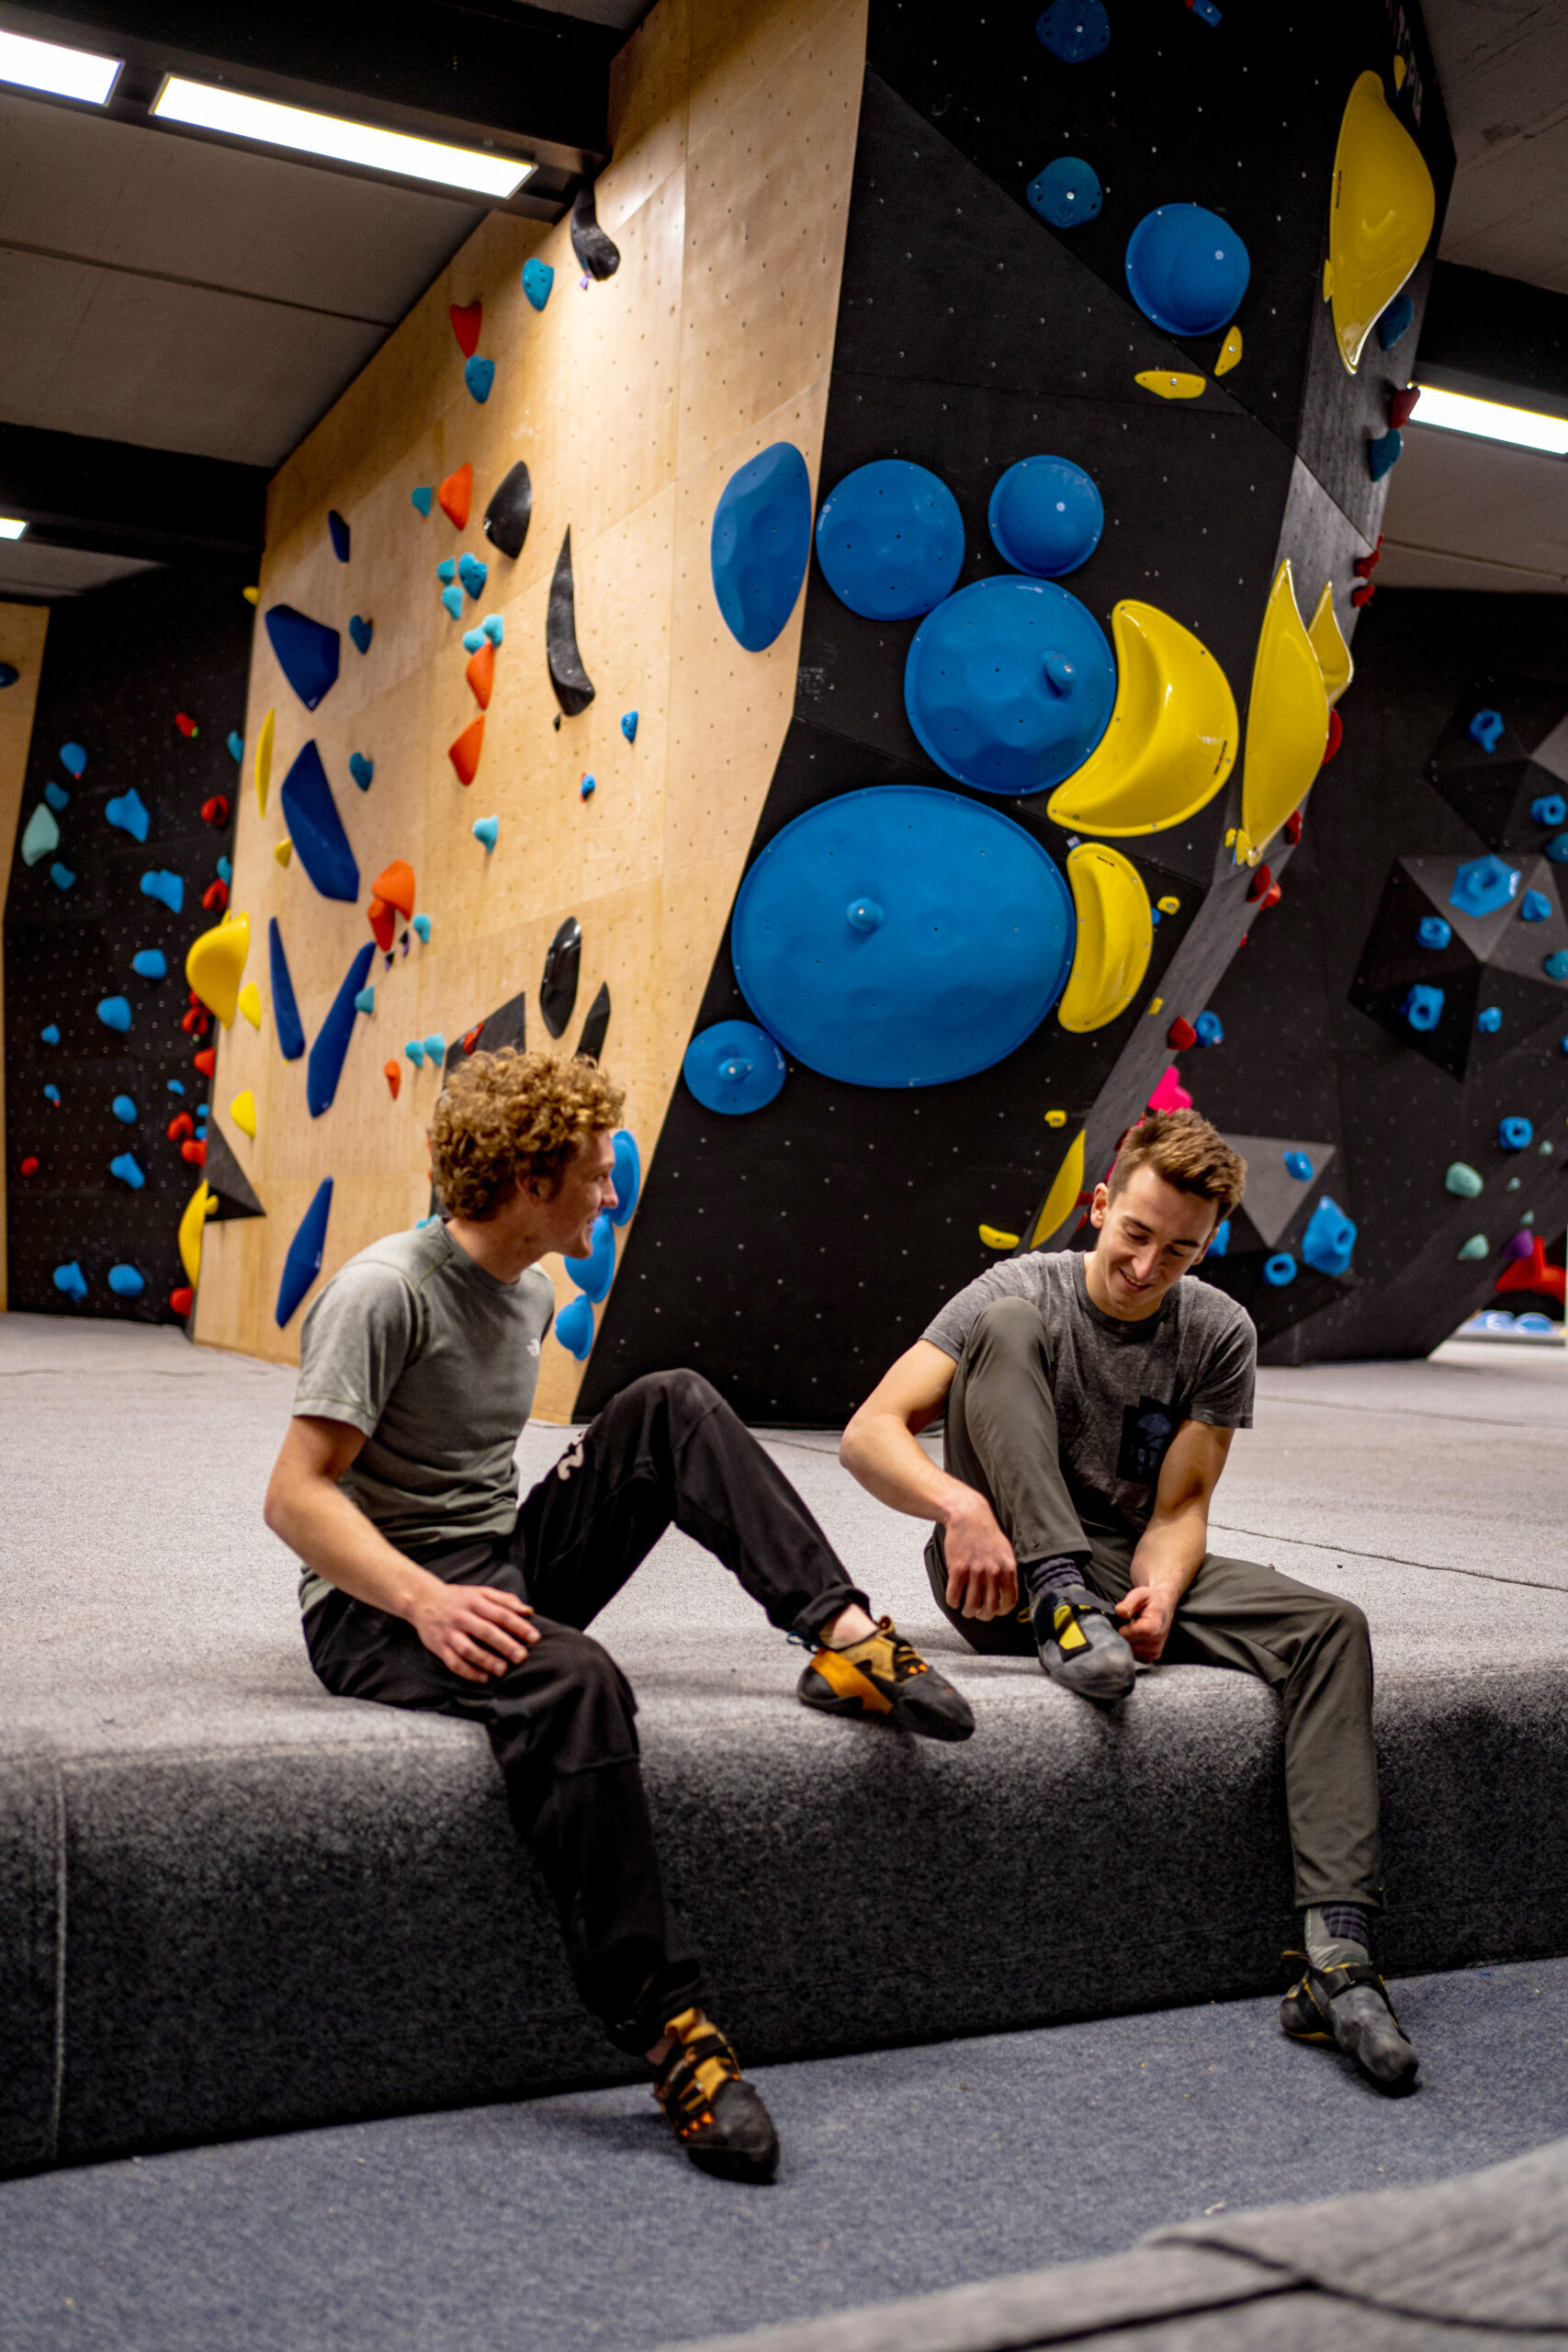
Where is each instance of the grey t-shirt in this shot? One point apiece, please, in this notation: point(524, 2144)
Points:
point(1122, 1390)
point(436, 1362)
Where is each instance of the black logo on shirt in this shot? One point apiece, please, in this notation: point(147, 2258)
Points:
point(1147, 1428)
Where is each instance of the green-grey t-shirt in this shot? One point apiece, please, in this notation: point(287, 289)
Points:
point(436, 1362)
point(1122, 1390)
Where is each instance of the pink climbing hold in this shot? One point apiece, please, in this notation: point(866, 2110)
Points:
point(1169, 1094)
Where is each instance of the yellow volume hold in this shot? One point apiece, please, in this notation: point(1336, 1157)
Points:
point(1287, 722)
point(1172, 739)
point(214, 963)
point(1063, 1198)
point(1380, 217)
point(1116, 937)
point(1328, 644)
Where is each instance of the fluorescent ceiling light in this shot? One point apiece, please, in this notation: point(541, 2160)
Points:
point(1491, 420)
point(64, 73)
point(236, 116)
point(10, 528)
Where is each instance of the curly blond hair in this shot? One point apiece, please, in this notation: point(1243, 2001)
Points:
point(506, 1116)
point(1182, 1147)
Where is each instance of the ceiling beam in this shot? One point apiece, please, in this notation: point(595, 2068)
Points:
point(1496, 337)
point(118, 498)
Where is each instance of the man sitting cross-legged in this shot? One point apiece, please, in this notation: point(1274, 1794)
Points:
point(1090, 1403)
point(427, 1585)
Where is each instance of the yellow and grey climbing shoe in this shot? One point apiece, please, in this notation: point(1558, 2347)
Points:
point(884, 1676)
point(1350, 2008)
point(1081, 1645)
point(717, 2117)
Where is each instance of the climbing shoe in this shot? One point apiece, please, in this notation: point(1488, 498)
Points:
point(716, 2116)
point(1351, 2006)
point(883, 1676)
point(1080, 1644)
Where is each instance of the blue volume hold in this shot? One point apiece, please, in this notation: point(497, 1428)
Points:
point(734, 1068)
point(1073, 30)
point(1187, 269)
point(303, 1263)
point(575, 1324)
point(1010, 684)
point(1329, 1238)
point(761, 543)
point(342, 536)
point(285, 1009)
point(902, 937)
point(592, 1274)
point(1046, 516)
point(1482, 885)
point(625, 1175)
point(890, 541)
point(129, 814)
point(1067, 193)
point(307, 651)
point(316, 829)
point(324, 1067)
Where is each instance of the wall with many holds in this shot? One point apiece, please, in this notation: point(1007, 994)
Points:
point(23, 629)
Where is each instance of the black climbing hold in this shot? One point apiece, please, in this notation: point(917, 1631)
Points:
point(591, 1045)
point(574, 687)
point(507, 515)
point(599, 254)
point(226, 1179)
point(557, 989)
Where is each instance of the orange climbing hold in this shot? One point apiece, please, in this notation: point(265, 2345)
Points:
point(481, 674)
point(207, 1060)
point(471, 1036)
point(395, 884)
point(466, 320)
point(393, 1077)
point(383, 924)
point(1532, 1274)
point(215, 810)
point(455, 496)
point(463, 754)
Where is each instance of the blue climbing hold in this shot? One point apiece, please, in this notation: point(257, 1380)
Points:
point(1487, 728)
point(236, 745)
point(62, 877)
point(1550, 809)
point(472, 573)
point(495, 628)
point(1384, 453)
point(1557, 849)
point(472, 640)
point(1482, 885)
point(342, 537)
point(225, 871)
point(628, 725)
point(1489, 1020)
point(124, 1110)
point(588, 784)
point(453, 599)
point(1280, 1269)
point(126, 1282)
point(1210, 1033)
point(485, 829)
point(71, 1281)
point(1535, 907)
point(56, 795)
point(361, 770)
point(1299, 1165)
point(324, 1067)
point(284, 1006)
point(1329, 1238)
point(50, 1036)
point(761, 543)
point(1433, 931)
point(9, 674)
point(1514, 1135)
point(1221, 1240)
point(72, 758)
point(974, 948)
point(1395, 321)
point(1067, 193)
point(303, 1262)
point(538, 279)
point(446, 571)
point(734, 1068)
point(361, 631)
point(890, 541)
point(176, 1086)
point(1046, 516)
point(1187, 269)
point(423, 498)
point(574, 1326)
point(124, 1166)
point(625, 1175)
point(366, 1001)
point(1422, 1007)
point(415, 1053)
point(422, 925)
point(114, 1012)
point(592, 1274)
point(52, 1094)
point(1556, 966)
point(129, 814)
point(479, 374)
point(1073, 30)
point(1010, 684)
point(316, 829)
point(307, 652)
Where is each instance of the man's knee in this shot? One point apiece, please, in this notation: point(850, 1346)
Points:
point(585, 1710)
point(684, 1395)
point(1011, 1327)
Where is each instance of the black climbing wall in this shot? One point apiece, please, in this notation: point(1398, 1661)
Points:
point(792, 1252)
point(119, 663)
point(1315, 1047)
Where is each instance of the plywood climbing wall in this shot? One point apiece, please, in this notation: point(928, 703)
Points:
point(22, 631)
point(632, 400)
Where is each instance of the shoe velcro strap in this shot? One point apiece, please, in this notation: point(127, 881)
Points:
point(1325, 1984)
point(693, 2076)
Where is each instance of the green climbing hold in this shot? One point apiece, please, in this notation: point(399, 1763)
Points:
point(366, 1001)
point(42, 837)
point(1462, 1180)
point(1476, 1247)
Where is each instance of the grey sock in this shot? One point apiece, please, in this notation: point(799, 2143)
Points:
point(1060, 1573)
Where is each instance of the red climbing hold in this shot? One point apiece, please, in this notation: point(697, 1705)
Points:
point(1293, 823)
point(185, 723)
point(29, 1165)
point(1533, 1273)
point(467, 322)
point(215, 897)
point(481, 674)
point(195, 1151)
point(463, 754)
point(471, 1036)
point(1365, 565)
point(1180, 1034)
point(182, 1299)
point(455, 496)
point(393, 1077)
point(215, 810)
point(1335, 736)
point(1364, 593)
point(195, 1023)
point(395, 885)
point(383, 923)
point(205, 1061)
point(1270, 898)
point(1259, 884)
point(1400, 404)
point(181, 1125)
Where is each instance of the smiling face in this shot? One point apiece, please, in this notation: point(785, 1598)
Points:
point(563, 1219)
point(1150, 1233)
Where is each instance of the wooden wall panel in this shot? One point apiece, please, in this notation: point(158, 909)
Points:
point(22, 631)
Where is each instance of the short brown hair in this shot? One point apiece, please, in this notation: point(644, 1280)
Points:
point(505, 1117)
point(1183, 1149)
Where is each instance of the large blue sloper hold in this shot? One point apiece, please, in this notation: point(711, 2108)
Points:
point(1010, 684)
point(316, 829)
point(574, 1327)
point(307, 651)
point(303, 1263)
point(626, 1176)
point(761, 541)
point(1187, 269)
point(324, 1067)
point(890, 541)
point(285, 1008)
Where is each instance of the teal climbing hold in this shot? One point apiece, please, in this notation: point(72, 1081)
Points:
point(124, 1110)
point(422, 924)
point(126, 1282)
point(574, 1327)
point(1386, 452)
point(361, 770)
point(225, 871)
point(71, 1281)
point(415, 1053)
point(473, 638)
point(628, 725)
point(538, 279)
point(1067, 193)
point(435, 1048)
point(361, 631)
point(126, 1169)
point(166, 888)
point(1463, 1181)
point(303, 1262)
point(50, 1036)
point(114, 1012)
point(446, 571)
point(453, 599)
point(236, 745)
point(472, 573)
point(1395, 321)
point(1476, 1247)
point(479, 374)
point(42, 837)
point(72, 758)
point(62, 877)
point(129, 814)
point(1556, 966)
point(366, 1001)
point(56, 795)
point(485, 829)
point(423, 498)
point(495, 628)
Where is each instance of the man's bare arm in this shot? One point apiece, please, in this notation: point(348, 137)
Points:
point(1171, 1549)
point(473, 1629)
point(879, 1448)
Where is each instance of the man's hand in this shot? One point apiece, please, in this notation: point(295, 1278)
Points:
point(982, 1570)
point(1147, 1614)
point(473, 1629)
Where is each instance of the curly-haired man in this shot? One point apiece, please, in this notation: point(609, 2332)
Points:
point(428, 1585)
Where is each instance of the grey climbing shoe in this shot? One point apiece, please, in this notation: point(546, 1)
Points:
point(1080, 1644)
point(1349, 2006)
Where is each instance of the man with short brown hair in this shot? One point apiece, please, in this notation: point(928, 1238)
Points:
point(1090, 1401)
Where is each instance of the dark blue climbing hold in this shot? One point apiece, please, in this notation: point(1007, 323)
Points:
point(423, 498)
point(734, 1068)
point(626, 1176)
point(1556, 966)
point(1384, 453)
point(307, 652)
point(9, 674)
point(71, 1281)
point(1535, 907)
point(478, 375)
point(316, 829)
point(1067, 193)
point(592, 1274)
point(303, 1263)
point(361, 770)
point(1514, 1134)
point(50, 1036)
point(56, 795)
point(73, 758)
point(760, 542)
point(124, 1166)
point(538, 279)
point(1046, 516)
point(1221, 1240)
point(1010, 684)
point(575, 1324)
point(1422, 1007)
point(1433, 931)
point(473, 574)
point(236, 745)
point(1489, 1020)
point(324, 1067)
point(129, 814)
point(1280, 1269)
point(1187, 269)
point(1073, 30)
point(114, 1012)
point(1329, 1238)
point(1550, 809)
point(628, 725)
point(1557, 849)
point(1482, 885)
point(62, 877)
point(972, 949)
point(1487, 728)
point(341, 534)
point(124, 1110)
point(1395, 321)
point(361, 631)
point(126, 1282)
point(285, 1008)
point(1299, 1165)
point(1210, 1033)
point(890, 541)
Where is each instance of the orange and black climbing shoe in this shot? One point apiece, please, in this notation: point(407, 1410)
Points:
point(884, 1676)
point(717, 2117)
point(1350, 2008)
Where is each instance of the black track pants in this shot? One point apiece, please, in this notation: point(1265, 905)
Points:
point(666, 1452)
point(1310, 1646)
